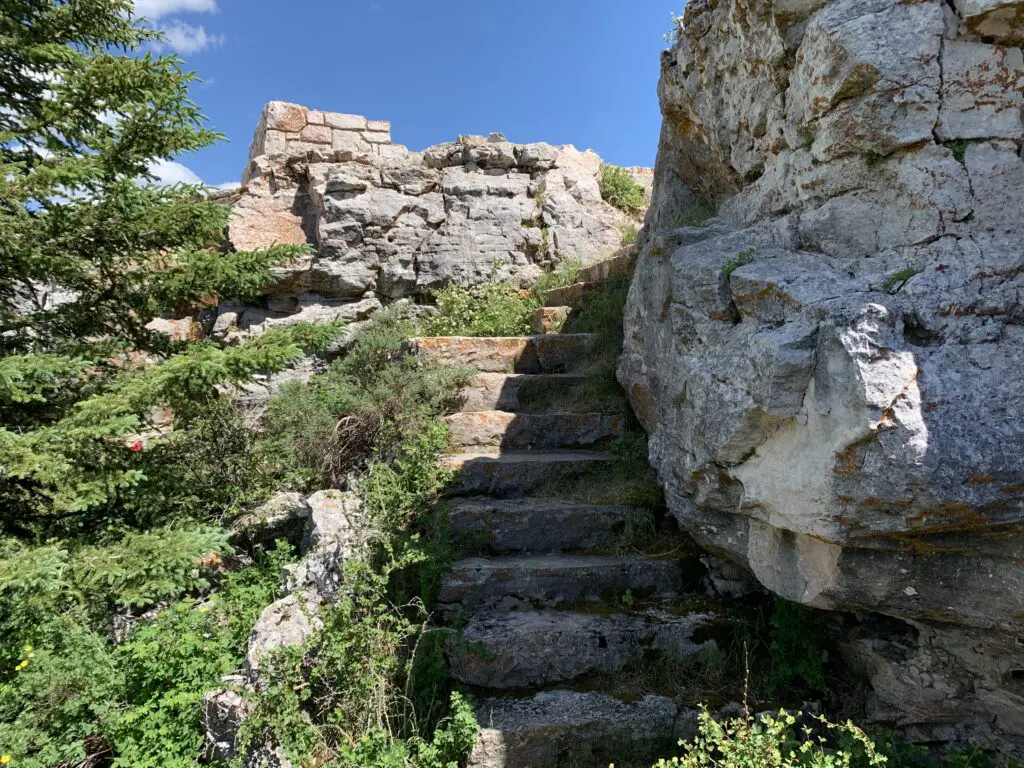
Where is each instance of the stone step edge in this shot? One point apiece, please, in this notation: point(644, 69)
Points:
point(539, 730)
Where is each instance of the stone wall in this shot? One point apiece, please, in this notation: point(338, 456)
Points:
point(832, 368)
point(386, 223)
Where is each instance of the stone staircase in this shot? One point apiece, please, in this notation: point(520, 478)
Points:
point(556, 603)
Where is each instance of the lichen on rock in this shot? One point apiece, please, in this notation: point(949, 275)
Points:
point(830, 369)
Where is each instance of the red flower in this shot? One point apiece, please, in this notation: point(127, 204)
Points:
point(136, 446)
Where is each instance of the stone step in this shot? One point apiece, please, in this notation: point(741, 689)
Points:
point(552, 353)
point(515, 473)
point(551, 580)
point(583, 730)
point(527, 648)
point(541, 525)
point(495, 429)
point(551, 319)
point(526, 393)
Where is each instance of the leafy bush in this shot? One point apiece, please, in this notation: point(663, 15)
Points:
point(620, 189)
point(493, 309)
point(777, 741)
point(568, 273)
point(796, 652)
point(74, 696)
point(318, 432)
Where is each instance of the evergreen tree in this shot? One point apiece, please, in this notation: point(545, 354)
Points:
point(90, 252)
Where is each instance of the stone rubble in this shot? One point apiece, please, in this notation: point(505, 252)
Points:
point(831, 369)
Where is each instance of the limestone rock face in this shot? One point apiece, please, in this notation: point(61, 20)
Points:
point(385, 222)
point(832, 368)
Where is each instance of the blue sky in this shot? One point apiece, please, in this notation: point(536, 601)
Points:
point(564, 71)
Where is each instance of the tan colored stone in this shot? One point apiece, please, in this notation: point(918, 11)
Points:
point(378, 125)
point(317, 134)
point(377, 137)
point(282, 116)
point(345, 122)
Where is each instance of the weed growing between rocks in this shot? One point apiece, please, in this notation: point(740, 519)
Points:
point(494, 309)
point(620, 189)
point(567, 274)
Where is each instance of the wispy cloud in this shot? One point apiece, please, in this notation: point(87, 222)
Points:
point(170, 172)
point(154, 9)
point(186, 38)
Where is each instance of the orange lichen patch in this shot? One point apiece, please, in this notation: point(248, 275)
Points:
point(980, 478)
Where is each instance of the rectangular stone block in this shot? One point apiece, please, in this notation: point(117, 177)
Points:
point(377, 137)
point(345, 122)
point(315, 117)
point(348, 141)
point(274, 142)
point(317, 134)
point(282, 116)
point(392, 151)
point(378, 125)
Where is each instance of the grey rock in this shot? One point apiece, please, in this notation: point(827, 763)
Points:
point(523, 649)
point(830, 370)
point(224, 711)
point(381, 218)
point(273, 519)
point(551, 727)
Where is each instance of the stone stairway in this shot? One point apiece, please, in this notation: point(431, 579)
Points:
point(555, 603)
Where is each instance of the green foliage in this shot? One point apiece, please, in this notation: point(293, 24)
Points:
point(796, 648)
point(959, 149)
point(630, 232)
point(74, 696)
point(743, 257)
point(494, 309)
point(899, 278)
point(366, 689)
point(318, 432)
point(620, 189)
point(777, 741)
point(568, 273)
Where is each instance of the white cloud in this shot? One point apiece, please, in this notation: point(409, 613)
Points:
point(185, 38)
point(154, 9)
point(170, 172)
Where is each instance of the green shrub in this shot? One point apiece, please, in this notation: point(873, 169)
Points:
point(620, 189)
point(796, 648)
point(630, 232)
point(73, 696)
point(493, 309)
point(777, 741)
point(567, 273)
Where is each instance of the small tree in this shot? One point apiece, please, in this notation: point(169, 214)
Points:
point(91, 251)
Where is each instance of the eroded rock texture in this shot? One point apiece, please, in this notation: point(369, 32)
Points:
point(832, 368)
point(387, 223)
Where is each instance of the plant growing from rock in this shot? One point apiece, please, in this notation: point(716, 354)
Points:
point(620, 189)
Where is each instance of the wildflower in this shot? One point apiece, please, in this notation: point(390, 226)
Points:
point(21, 666)
point(5, 759)
point(136, 446)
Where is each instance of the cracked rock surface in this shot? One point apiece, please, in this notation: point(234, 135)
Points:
point(385, 223)
point(832, 368)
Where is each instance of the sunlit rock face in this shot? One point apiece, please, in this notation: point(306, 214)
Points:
point(384, 223)
point(832, 368)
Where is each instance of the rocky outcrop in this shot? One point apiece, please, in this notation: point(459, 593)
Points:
point(830, 369)
point(384, 222)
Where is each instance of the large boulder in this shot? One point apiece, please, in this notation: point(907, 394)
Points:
point(832, 368)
